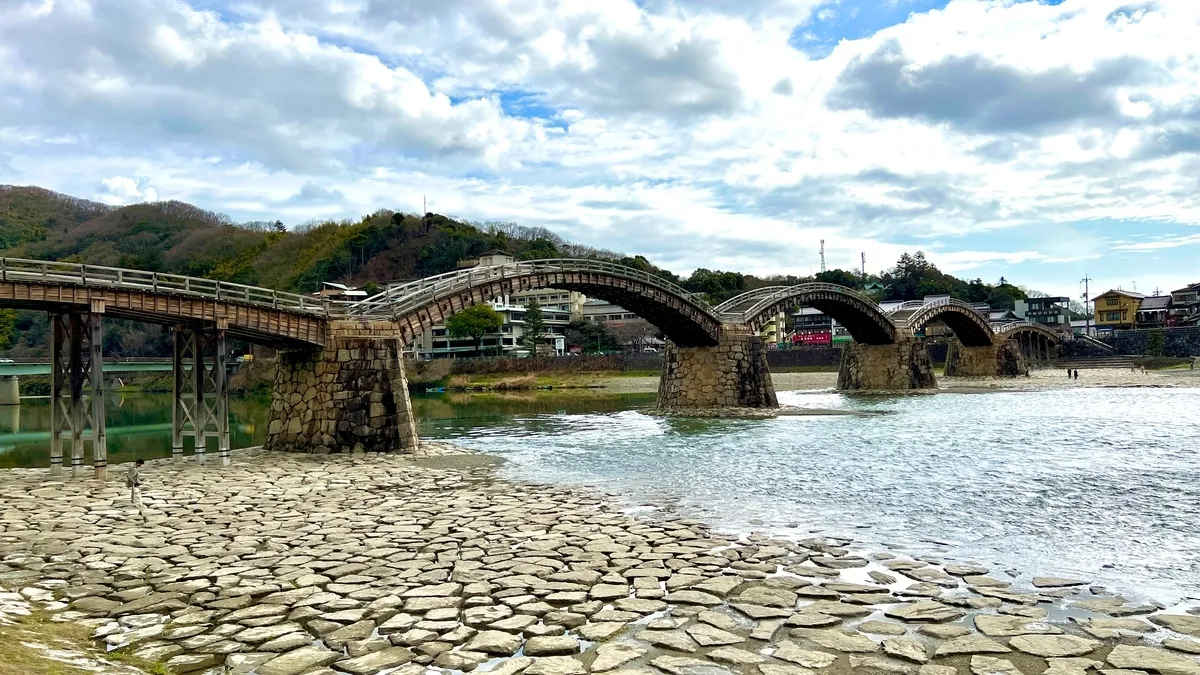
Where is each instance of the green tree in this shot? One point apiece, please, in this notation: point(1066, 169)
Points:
point(8, 328)
point(1156, 342)
point(592, 336)
point(840, 277)
point(535, 325)
point(474, 322)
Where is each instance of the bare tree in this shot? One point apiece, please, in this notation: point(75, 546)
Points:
point(634, 334)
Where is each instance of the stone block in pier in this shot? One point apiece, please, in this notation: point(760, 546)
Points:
point(997, 360)
point(351, 396)
point(902, 366)
point(733, 373)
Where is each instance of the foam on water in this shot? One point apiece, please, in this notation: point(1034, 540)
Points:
point(1102, 484)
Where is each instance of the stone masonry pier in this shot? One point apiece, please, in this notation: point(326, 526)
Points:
point(733, 373)
point(997, 360)
point(902, 366)
point(350, 396)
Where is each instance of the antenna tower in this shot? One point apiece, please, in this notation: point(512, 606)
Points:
point(822, 255)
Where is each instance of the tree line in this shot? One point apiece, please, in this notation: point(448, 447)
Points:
point(381, 247)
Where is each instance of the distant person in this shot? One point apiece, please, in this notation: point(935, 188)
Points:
point(1077, 373)
point(133, 481)
point(1192, 365)
point(1068, 373)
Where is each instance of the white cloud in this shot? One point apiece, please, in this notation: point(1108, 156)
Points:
point(119, 190)
point(689, 131)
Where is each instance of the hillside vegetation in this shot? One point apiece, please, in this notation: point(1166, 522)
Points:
point(380, 247)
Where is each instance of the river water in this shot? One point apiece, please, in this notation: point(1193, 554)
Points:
point(1102, 484)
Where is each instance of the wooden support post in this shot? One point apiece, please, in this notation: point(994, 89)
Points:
point(59, 369)
point(221, 406)
point(96, 375)
point(76, 377)
point(199, 412)
point(180, 415)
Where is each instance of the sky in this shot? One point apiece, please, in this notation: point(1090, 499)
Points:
point(1044, 141)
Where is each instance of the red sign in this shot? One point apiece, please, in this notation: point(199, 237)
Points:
point(823, 337)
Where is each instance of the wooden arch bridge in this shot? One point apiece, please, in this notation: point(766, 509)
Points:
point(341, 383)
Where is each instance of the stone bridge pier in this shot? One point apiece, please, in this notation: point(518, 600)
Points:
point(901, 366)
point(1002, 359)
point(733, 373)
point(350, 396)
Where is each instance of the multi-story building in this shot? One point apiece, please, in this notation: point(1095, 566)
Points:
point(1052, 312)
point(1185, 305)
point(1154, 312)
point(811, 327)
point(774, 330)
point(1116, 309)
point(603, 311)
point(559, 308)
point(436, 343)
point(571, 302)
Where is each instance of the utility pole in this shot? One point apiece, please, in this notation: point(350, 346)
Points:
point(822, 255)
point(1087, 298)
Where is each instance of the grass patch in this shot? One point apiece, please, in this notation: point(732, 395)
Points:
point(18, 658)
point(804, 369)
point(1160, 362)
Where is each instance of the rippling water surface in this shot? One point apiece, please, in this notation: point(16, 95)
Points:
point(1103, 483)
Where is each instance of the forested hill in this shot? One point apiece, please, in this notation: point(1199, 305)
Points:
point(381, 247)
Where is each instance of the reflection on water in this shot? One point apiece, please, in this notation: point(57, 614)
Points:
point(1099, 483)
point(138, 425)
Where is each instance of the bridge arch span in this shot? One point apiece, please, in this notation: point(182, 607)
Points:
point(428, 302)
point(968, 324)
point(1014, 329)
point(867, 323)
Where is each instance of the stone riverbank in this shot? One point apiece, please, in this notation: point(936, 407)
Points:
point(302, 565)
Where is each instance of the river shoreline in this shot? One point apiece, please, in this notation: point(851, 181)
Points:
point(292, 564)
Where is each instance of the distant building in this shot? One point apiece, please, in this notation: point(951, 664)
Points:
point(487, 259)
point(1052, 312)
point(603, 311)
point(559, 308)
point(1116, 309)
point(1001, 316)
point(874, 288)
point(333, 291)
point(1185, 305)
point(812, 327)
point(436, 343)
point(1083, 327)
point(1154, 312)
point(774, 330)
point(571, 302)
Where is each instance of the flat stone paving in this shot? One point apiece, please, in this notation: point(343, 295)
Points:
point(296, 565)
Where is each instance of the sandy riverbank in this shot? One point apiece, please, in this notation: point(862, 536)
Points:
point(1099, 377)
point(1038, 380)
point(782, 382)
point(299, 565)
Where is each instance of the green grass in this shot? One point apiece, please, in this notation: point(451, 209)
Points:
point(16, 658)
point(804, 369)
